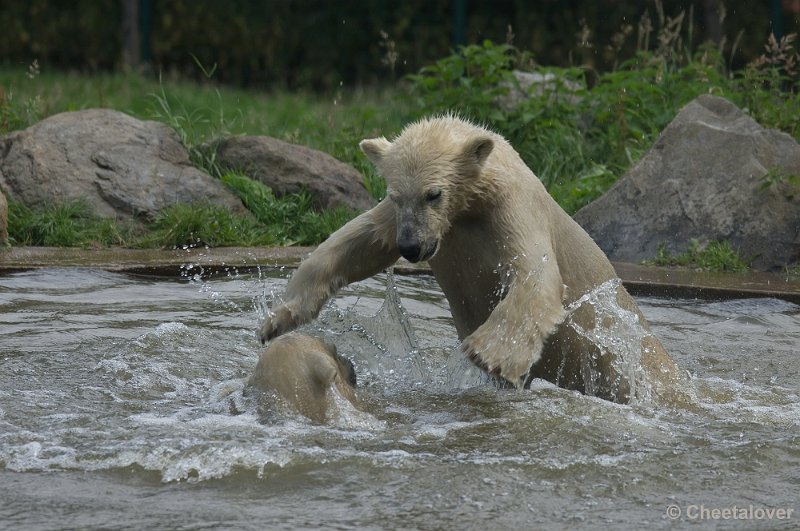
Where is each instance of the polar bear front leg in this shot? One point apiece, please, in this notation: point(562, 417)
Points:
point(511, 339)
point(363, 247)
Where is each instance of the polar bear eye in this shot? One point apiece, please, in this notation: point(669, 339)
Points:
point(433, 194)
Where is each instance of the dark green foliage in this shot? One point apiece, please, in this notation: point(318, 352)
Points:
point(548, 130)
point(315, 44)
point(579, 133)
point(578, 138)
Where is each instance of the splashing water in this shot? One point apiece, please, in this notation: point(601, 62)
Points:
point(114, 388)
point(615, 330)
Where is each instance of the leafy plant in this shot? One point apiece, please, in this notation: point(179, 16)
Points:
point(470, 80)
point(769, 87)
point(543, 123)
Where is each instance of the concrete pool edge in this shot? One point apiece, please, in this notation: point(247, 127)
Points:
point(639, 279)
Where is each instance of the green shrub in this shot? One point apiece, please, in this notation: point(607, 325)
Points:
point(578, 138)
point(545, 129)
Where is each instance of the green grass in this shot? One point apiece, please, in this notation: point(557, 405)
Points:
point(333, 123)
point(202, 224)
point(579, 135)
point(714, 256)
point(290, 220)
point(199, 113)
point(66, 225)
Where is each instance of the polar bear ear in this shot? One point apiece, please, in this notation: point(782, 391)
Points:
point(477, 150)
point(374, 148)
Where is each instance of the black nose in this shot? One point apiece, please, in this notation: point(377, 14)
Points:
point(410, 249)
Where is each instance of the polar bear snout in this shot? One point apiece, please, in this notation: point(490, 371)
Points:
point(409, 247)
point(413, 250)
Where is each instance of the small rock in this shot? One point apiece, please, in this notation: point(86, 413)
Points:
point(535, 85)
point(288, 168)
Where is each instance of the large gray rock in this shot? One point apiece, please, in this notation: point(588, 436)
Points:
point(121, 166)
point(705, 178)
point(286, 168)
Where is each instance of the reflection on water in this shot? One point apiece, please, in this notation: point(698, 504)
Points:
point(117, 388)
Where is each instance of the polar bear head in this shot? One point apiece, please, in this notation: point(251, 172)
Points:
point(430, 169)
point(304, 371)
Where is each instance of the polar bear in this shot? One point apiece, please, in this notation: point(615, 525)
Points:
point(515, 268)
point(305, 372)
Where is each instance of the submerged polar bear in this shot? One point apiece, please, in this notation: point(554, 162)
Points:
point(305, 372)
point(513, 265)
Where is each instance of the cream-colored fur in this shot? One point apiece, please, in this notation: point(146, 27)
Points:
point(507, 257)
point(305, 372)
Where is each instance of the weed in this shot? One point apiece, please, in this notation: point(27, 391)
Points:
point(190, 126)
point(769, 87)
point(776, 177)
point(203, 224)
point(792, 272)
point(713, 256)
point(290, 220)
point(579, 137)
point(69, 225)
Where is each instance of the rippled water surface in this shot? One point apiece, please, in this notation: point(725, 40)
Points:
point(122, 407)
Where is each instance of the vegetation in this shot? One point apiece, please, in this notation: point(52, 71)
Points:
point(68, 225)
point(579, 129)
point(312, 44)
point(714, 256)
point(199, 113)
point(289, 221)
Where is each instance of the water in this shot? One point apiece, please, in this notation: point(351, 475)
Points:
point(122, 407)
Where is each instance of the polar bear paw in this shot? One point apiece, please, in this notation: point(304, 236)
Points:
point(278, 321)
point(504, 356)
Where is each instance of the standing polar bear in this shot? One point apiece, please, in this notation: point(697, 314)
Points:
point(520, 275)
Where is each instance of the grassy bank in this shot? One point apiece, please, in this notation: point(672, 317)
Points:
point(333, 123)
point(579, 133)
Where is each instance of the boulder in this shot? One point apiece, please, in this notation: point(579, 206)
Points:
point(120, 166)
point(528, 85)
point(713, 174)
point(3, 220)
point(288, 168)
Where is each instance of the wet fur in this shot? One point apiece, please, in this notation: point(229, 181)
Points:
point(507, 257)
point(305, 372)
